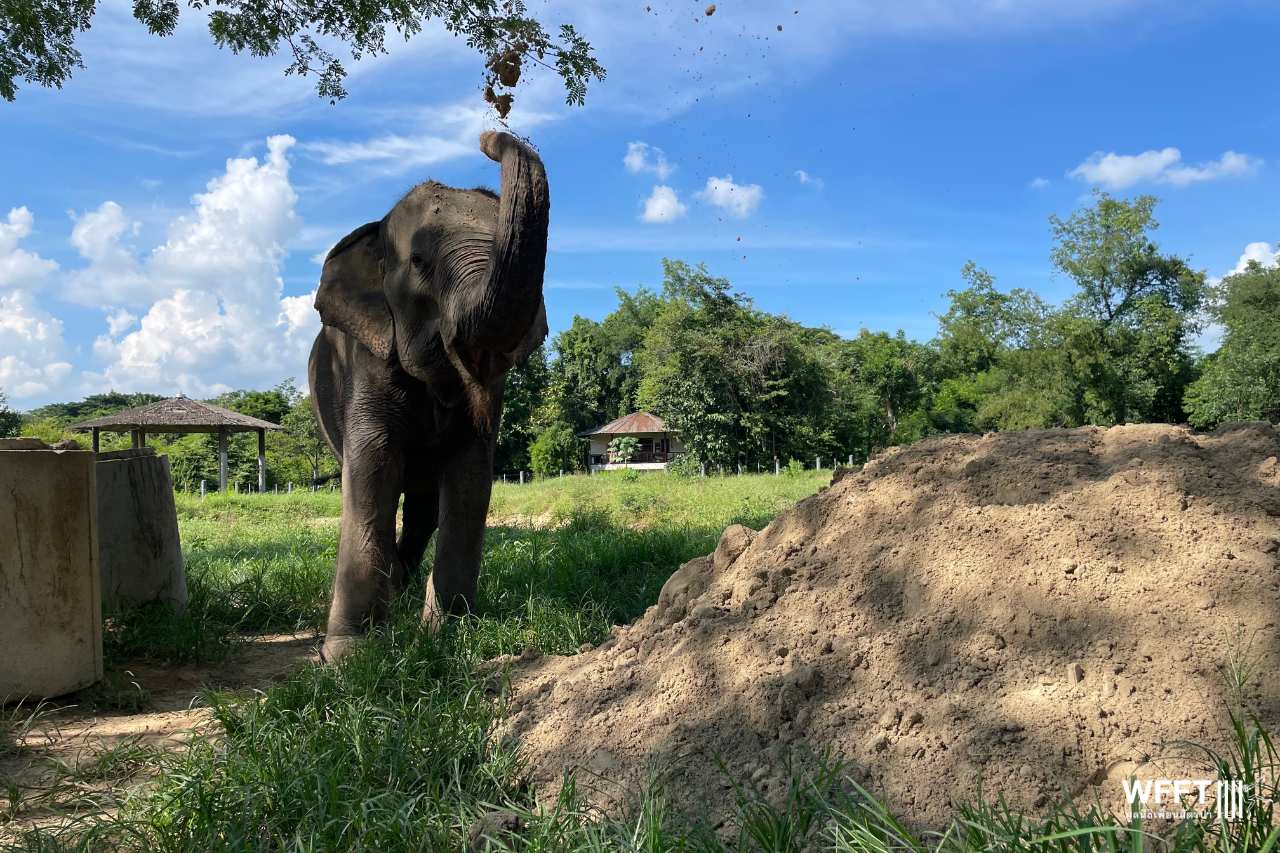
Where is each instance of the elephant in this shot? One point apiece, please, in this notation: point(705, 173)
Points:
point(423, 313)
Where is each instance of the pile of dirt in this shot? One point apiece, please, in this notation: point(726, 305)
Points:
point(1037, 613)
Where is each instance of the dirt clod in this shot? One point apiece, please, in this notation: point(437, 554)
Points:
point(967, 609)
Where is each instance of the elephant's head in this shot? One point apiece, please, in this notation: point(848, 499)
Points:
point(450, 281)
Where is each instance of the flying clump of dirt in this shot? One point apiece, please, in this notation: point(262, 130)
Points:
point(504, 71)
point(1037, 613)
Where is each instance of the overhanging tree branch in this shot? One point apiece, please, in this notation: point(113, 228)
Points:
point(37, 38)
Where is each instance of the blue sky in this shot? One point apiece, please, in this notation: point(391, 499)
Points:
point(161, 217)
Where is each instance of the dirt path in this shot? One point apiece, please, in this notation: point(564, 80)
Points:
point(74, 758)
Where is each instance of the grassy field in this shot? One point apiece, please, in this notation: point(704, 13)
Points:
point(393, 751)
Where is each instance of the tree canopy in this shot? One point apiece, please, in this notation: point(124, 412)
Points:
point(38, 38)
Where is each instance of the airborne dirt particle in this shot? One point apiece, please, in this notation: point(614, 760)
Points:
point(964, 654)
point(711, 10)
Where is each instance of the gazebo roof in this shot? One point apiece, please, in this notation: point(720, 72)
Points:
point(177, 414)
point(632, 424)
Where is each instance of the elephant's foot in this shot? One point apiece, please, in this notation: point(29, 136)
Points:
point(439, 608)
point(338, 646)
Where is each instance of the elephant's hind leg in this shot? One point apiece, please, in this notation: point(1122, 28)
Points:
point(421, 514)
point(465, 482)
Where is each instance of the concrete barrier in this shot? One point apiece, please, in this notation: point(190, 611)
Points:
point(138, 545)
point(50, 595)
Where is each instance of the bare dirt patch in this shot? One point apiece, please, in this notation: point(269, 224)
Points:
point(1039, 613)
point(73, 751)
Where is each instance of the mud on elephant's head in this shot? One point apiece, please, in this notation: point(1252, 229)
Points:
point(450, 281)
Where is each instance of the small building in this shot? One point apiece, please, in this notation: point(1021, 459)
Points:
point(656, 444)
point(180, 414)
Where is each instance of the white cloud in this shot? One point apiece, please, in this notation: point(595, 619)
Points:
point(738, 200)
point(403, 151)
point(448, 133)
point(642, 157)
point(663, 205)
point(219, 318)
point(113, 275)
point(1263, 253)
point(1038, 183)
point(32, 353)
point(118, 321)
point(18, 266)
point(1120, 171)
point(809, 180)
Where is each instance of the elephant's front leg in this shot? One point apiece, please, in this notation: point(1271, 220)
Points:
point(372, 473)
point(465, 483)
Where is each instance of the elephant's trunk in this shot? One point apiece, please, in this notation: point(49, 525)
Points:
point(508, 302)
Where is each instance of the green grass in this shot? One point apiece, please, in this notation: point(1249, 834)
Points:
point(653, 498)
point(394, 749)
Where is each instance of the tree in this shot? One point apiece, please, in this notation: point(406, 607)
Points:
point(739, 385)
point(982, 323)
point(38, 37)
point(577, 379)
point(1134, 314)
point(525, 388)
point(93, 406)
point(1241, 381)
point(555, 449)
point(301, 442)
point(623, 448)
point(10, 421)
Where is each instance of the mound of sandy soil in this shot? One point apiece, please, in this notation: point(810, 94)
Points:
point(1036, 612)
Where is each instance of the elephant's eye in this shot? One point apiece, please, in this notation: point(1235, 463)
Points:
point(416, 259)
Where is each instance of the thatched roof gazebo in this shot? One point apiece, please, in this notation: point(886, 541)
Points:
point(181, 414)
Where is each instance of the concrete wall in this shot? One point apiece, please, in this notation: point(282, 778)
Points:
point(140, 553)
point(50, 599)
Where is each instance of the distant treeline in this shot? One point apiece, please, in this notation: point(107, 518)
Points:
point(745, 387)
point(296, 454)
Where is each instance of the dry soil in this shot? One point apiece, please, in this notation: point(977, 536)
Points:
point(1040, 612)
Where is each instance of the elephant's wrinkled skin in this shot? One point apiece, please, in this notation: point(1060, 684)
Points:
point(424, 312)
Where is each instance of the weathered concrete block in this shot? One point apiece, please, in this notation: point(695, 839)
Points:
point(50, 598)
point(138, 544)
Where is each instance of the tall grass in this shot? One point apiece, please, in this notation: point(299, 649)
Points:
point(395, 749)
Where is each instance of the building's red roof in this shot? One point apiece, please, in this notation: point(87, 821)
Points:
point(632, 424)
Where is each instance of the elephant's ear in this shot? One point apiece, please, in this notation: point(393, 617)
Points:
point(350, 296)
point(536, 335)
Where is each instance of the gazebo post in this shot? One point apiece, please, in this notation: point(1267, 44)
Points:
point(262, 461)
point(222, 459)
point(135, 433)
point(95, 439)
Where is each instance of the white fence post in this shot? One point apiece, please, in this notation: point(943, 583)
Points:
point(202, 490)
point(777, 466)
